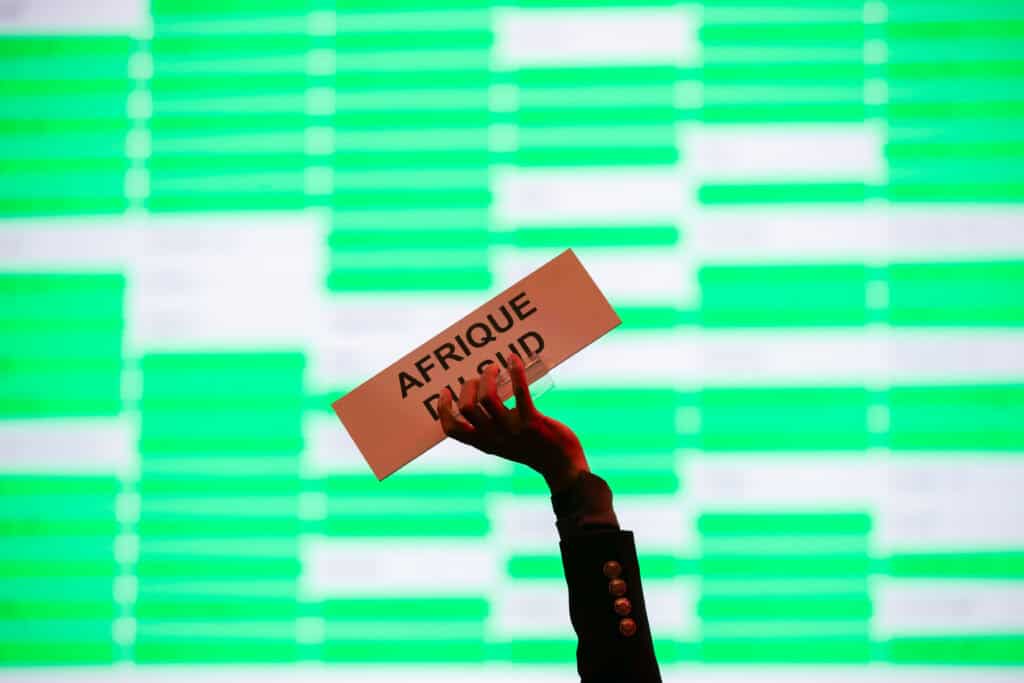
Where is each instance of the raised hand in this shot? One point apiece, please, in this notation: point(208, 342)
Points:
point(521, 434)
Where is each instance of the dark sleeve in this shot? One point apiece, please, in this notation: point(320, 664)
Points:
point(606, 599)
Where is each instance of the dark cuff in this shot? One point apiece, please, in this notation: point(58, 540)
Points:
point(585, 506)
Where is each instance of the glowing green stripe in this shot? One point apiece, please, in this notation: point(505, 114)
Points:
point(790, 112)
point(412, 198)
point(572, 77)
point(219, 608)
point(782, 193)
point(56, 105)
point(973, 650)
point(206, 526)
point(985, 152)
point(58, 527)
point(27, 88)
point(154, 486)
point(822, 650)
point(964, 27)
point(223, 46)
point(964, 191)
point(218, 84)
point(150, 650)
point(766, 73)
point(784, 419)
point(40, 392)
point(757, 296)
point(423, 279)
point(56, 147)
point(999, 564)
point(565, 116)
point(197, 165)
point(417, 80)
point(967, 293)
point(412, 119)
point(417, 159)
point(547, 236)
point(58, 568)
point(64, 47)
point(71, 342)
point(57, 653)
point(255, 200)
point(1008, 107)
point(57, 485)
point(372, 41)
point(234, 123)
point(216, 567)
point(24, 610)
point(810, 33)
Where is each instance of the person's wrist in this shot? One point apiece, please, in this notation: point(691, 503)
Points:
point(562, 477)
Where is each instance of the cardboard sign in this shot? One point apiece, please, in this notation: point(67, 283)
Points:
point(553, 312)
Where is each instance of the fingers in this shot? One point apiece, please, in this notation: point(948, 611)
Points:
point(487, 395)
point(524, 402)
point(472, 410)
point(458, 429)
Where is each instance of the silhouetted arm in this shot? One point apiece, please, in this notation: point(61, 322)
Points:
point(606, 600)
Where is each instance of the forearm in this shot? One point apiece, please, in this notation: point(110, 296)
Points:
point(606, 600)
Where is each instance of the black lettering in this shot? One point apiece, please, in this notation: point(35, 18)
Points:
point(536, 337)
point(407, 381)
point(483, 364)
point(487, 339)
point(431, 408)
point(508, 320)
point(423, 369)
point(445, 353)
point(518, 308)
point(465, 350)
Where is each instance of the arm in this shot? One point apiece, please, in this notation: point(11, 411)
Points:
point(606, 602)
point(606, 599)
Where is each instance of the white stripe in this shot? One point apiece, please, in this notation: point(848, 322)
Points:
point(934, 501)
point(526, 38)
point(777, 153)
point(339, 567)
point(855, 234)
point(76, 446)
point(74, 16)
point(923, 607)
point(629, 195)
point(779, 481)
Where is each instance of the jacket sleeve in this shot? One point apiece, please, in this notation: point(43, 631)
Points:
point(606, 600)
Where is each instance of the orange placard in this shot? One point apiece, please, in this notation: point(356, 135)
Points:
point(553, 312)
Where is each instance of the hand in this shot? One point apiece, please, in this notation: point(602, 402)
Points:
point(521, 434)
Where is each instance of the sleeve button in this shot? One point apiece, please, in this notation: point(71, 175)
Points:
point(627, 627)
point(622, 606)
point(617, 587)
point(612, 569)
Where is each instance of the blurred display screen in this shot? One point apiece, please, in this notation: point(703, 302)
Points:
point(217, 216)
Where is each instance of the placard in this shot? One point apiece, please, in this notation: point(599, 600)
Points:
point(555, 311)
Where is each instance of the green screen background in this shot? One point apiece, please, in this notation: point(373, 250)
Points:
point(217, 217)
